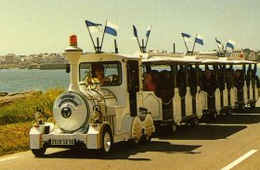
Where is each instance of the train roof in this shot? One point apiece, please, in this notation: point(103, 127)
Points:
point(181, 58)
point(168, 57)
point(91, 57)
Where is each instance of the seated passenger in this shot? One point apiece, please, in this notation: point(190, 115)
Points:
point(238, 80)
point(255, 77)
point(228, 76)
point(209, 82)
point(149, 84)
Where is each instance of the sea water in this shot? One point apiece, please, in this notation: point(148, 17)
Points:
point(16, 80)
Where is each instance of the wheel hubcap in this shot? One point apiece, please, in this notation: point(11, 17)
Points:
point(107, 142)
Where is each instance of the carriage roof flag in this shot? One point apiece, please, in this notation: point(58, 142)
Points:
point(111, 28)
point(135, 31)
point(93, 27)
point(199, 40)
point(217, 41)
point(186, 37)
point(148, 31)
point(231, 44)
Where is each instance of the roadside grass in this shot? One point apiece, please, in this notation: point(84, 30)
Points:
point(17, 118)
point(14, 137)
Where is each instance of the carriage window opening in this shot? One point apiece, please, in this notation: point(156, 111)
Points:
point(108, 74)
point(192, 78)
point(209, 82)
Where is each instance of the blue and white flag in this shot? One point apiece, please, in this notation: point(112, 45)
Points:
point(219, 43)
point(111, 28)
point(135, 31)
point(93, 27)
point(148, 31)
point(199, 40)
point(231, 44)
point(186, 37)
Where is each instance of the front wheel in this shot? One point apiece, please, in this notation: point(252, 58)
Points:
point(39, 152)
point(107, 141)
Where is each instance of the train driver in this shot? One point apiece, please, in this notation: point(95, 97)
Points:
point(100, 75)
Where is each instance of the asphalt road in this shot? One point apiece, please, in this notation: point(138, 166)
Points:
point(228, 142)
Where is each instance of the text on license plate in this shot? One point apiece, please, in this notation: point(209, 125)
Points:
point(62, 142)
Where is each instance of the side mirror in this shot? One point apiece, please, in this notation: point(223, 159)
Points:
point(67, 68)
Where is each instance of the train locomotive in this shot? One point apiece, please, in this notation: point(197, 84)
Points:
point(92, 113)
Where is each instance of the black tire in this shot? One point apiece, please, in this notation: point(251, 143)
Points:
point(194, 122)
point(106, 141)
point(229, 112)
point(252, 105)
point(214, 115)
point(145, 140)
point(39, 152)
point(241, 107)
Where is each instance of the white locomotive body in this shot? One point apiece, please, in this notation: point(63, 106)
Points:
point(94, 114)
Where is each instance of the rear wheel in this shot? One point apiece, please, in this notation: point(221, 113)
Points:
point(194, 122)
point(252, 104)
point(241, 107)
point(229, 112)
point(174, 127)
point(39, 152)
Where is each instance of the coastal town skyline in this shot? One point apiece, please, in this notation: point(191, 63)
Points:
point(29, 27)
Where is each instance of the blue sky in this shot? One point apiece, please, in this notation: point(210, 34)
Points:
point(30, 26)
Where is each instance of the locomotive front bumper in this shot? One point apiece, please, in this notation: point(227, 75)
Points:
point(64, 140)
point(89, 140)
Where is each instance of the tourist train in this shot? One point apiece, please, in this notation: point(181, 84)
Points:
point(113, 98)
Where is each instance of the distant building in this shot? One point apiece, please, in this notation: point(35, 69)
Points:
point(237, 53)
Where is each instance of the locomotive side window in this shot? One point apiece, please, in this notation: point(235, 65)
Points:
point(108, 74)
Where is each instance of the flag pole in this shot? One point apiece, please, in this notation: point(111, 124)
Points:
point(137, 39)
point(103, 36)
point(225, 50)
point(193, 46)
point(147, 38)
point(92, 39)
point(186, 45)
point(146, 41)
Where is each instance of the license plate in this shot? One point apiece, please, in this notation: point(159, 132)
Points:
point(62, 142)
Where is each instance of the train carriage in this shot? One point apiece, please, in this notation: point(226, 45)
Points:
point(177, 96)
point(246, 82)
point(95, 113)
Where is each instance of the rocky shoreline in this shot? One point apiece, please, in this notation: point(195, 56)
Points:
point(6, 98)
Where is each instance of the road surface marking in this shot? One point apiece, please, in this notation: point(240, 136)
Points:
point(240, 159)
point(10, 158)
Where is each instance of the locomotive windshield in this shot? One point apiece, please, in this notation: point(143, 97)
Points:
point(107, 73)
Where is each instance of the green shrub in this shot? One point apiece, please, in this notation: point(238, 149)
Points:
point(23, 110)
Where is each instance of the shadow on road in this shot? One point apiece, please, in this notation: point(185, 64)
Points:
point(124, 150)
point(235, 118)
point(201, 132)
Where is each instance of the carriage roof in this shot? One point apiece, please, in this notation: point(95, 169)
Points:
point(181, 58)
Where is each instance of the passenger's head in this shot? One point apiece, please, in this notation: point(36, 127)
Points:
point(208, 74)
point(148, 77)
point(237, 74)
